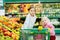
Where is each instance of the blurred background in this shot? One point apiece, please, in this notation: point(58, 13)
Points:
point(13, 14)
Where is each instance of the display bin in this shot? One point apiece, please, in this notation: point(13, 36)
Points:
point(29, 34)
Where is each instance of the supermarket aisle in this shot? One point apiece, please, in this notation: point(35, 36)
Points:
point(58, 37)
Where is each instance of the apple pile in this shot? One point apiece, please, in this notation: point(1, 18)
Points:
point(10, 27)
point(10, 22)
point(8, 33)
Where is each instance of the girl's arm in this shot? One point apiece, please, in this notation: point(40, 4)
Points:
point(26, 23)
point(50, 26)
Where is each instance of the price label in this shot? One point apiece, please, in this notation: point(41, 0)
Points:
point(1, 2)
point(2, 12)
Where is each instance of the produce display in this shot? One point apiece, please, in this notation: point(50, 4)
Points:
point(9, 28)
point(21, 8)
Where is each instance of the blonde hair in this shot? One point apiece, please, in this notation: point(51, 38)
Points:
point(45, 19)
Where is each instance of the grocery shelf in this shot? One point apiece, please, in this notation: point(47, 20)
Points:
point(57, 30)
point(38, 15)
point(20, 1)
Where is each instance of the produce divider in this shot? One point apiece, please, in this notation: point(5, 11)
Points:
point(20, 1)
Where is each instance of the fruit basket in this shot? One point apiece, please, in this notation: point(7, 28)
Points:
point(28, 34)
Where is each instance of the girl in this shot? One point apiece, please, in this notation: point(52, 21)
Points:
point(45, 22)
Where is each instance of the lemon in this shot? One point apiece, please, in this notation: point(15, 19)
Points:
point(40, 28)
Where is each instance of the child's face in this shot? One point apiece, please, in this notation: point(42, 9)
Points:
point(43, 22)
point(32, 11)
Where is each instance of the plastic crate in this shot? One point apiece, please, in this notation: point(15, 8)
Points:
point(30, 34)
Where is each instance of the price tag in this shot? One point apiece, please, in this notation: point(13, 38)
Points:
point(2, 12)
point(1, 2)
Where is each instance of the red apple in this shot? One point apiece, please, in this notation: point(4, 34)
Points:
point(9, 33)
point(4, 30)
point(5, 34)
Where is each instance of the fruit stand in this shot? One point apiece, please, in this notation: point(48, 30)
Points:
point(34, 32)
point(9, 28)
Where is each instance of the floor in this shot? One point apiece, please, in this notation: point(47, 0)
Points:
point(57, 37)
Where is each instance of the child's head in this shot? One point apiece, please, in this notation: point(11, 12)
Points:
point(32, 11)
point(44, 21)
